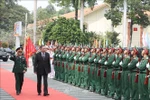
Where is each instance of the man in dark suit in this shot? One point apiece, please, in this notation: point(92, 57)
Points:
point(42, 68)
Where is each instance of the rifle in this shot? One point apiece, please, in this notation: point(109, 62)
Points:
point(119, 73)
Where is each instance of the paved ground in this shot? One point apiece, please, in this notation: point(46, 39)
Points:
point(76, 92)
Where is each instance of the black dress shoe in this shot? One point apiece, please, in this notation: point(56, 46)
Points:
point(46, 94)
point(39, 93)
point(17, 93)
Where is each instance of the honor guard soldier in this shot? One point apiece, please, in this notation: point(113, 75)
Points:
point(104, 87)
point(124, 75)
point(85, 83)
point(117, 74)
point(110, 79)
point(132, 67)
point(19, 68)
point(143, 86)
point(98, 70)
point(92, 70)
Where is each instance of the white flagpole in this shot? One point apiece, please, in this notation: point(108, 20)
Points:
point(124, 39)
point(82, 14)
point(34, 27)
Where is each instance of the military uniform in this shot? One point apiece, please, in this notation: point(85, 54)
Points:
point(19, 68)
point(92, 70)
point(110, 79)
point(116, 69)
point(84, 75)
point(143, 87)
point(104, 88)
point(98, 71)
point(133, 84)
point(124, 75)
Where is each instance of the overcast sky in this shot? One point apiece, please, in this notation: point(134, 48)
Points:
point(29, 4)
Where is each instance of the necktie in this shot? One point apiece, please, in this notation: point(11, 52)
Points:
point(43, 55)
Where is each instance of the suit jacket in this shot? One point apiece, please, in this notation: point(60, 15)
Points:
point(19, 64)
point(42, 66)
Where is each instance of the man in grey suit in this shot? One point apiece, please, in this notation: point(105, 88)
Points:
point(42, 69)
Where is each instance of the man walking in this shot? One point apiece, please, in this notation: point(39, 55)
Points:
point(42, 69)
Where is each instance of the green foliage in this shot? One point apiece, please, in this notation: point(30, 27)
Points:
point(67, 31)
point(112, 38)
point(10, 13)
point(136, 12)
point(4, 44)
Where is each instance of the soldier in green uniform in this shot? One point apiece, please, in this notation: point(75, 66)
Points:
point(66, 64)
point(132, 67)
point(85, 78)
point(77, 66)
point(19, 68)
point(116, 69)
point(103, 84)
point(92, 70)
point(64, 55)
point(124, 75)
point(71, 65)
point(143, 86)
point(98, 71)
point(81, 68)
point(110, 79)
point(56, 54)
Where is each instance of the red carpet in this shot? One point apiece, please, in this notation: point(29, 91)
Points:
point(29, 92)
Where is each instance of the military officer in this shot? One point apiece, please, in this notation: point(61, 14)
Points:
point(85, 78)
point(19, 68)
point(77, 66)
point(103, 84)
point(92, 70)
point(116, 69)
point(143, 86)
point(110, 79)
point(98, 70)
point(132, 67)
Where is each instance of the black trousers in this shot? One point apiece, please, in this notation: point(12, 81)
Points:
point(39, 78)
point(19, 78)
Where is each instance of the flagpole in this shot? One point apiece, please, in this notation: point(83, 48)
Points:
point(124, 24)
point(25, 33)
point(34, 27)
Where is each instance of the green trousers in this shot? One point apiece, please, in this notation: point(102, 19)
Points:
point(125, 85)
point(143, 89)
point(98, 80)
point(66, 71)
point(92, 76)
point(110, 82)
point(117, 85)
point(19, 78)
point(77, 75)
point(104, 81)
point(134, 91)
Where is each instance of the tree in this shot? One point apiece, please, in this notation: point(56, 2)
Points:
point(64, 10)
point(136, 12)
point(74, 3)
point(112, 38)
point(10, 13)
point(66, 31)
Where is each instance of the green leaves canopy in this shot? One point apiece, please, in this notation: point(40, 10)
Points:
point(67, 31)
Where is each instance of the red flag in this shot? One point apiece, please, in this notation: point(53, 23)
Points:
point(29, 49)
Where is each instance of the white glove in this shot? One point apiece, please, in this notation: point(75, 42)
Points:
point(147, 65)
point(137, 64)
point(105, 62)
point(94, 59)
point(128, 64)
point(113, 62)
point(75, 58)
point(120, 63)
point(99, 61)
